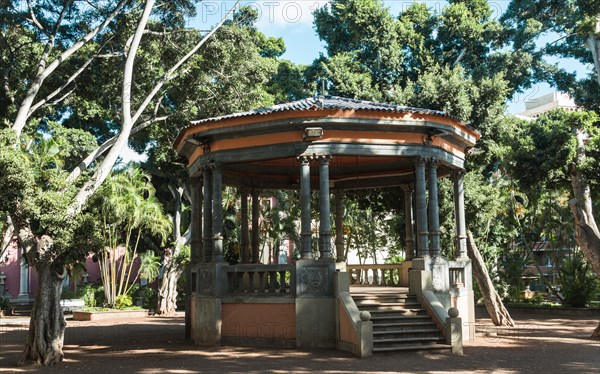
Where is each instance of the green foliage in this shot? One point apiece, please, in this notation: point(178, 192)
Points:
point(149, 265)
point(149, 295)
point(4, 302)
point(546, 149)
point(578, 281)
point(88, 295)
point(123, 301)
point(183, 255)
point(570, 25)
point(129, 211)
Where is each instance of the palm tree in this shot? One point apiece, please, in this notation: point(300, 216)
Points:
point(130, 210)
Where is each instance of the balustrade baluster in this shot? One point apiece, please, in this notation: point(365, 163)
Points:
point(261, 281)
point(251, 281)
point(230, 281)
point(282, 283)
point(272, 281)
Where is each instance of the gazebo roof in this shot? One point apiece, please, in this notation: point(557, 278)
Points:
point(371, 144)
point(327, 102)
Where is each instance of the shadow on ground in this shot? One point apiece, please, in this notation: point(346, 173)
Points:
point(538, 343)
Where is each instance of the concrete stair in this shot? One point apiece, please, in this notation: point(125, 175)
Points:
point(399, 321)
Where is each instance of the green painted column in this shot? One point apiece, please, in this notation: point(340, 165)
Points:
point(305, 229)
point(421, 202)
point(434, 210)
point(255, 226)
point(459, 213)
point(408, 222)
point(217, 210)
point(197, 254)
point(324, 208)
point(245, 245)
point(207, 244)
point(339, 225)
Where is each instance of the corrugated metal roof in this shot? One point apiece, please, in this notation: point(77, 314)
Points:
point(327, 102)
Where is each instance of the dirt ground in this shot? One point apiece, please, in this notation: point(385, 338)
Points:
point(538, 344)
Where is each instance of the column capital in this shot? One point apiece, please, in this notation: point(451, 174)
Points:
point(215, 167)
point(459, 173)
point(407, 188)
point(305, 159)
point(434, 163)
point(419, 161)
point(323, 159)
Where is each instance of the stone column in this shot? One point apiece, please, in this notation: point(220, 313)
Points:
point(434, 210)
point(459, 213)
point(339, 225)
point(324, 208)
point(245, 248)
point(305, 229)
point(207, 244)
point(217, 207)
point(420, 197)
point(255, 226)
point(197, 254)
point(408, 222)
point(24, 278)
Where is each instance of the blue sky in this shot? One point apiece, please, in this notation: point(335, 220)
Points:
point(293, 21)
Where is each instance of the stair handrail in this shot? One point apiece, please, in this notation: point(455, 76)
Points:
point(447, 320)
point(359, 340)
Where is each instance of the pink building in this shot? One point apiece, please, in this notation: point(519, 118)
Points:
point(19, 281)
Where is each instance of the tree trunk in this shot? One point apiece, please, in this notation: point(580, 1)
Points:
point(586, 230)
point(167, 294)
point(44, 343)
point(593, 43)
point(493, 302)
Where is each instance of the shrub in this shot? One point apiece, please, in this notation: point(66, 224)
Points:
point(149, 296)
point(4, 302)
point(123, 301)
point(579, 282)
point(88, 295)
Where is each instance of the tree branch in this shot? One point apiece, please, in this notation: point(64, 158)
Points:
point(6, 239)
point(35, 21)
point(93, 156)
point(44, 71)
point(68, 81)
point(171, 73)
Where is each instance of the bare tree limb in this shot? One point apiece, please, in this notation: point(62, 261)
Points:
point(44, 71)
point(67, 82)
point(171, 73)
point(93, 156)
point(493, 302)
point(34, 19)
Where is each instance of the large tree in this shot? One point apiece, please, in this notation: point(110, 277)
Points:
point(573, 28)
point(455, 60)
point(65, 40)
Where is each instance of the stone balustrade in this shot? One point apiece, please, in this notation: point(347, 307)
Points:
point(260, 280)
point(392, 275)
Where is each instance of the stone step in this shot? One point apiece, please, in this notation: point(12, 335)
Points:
point(396, 311)
point(412, 347)
point(405, 332)
point(412, 305)
point(407, 339)
point(402, 318)
point(408, 335)
point(425, 324)
point(384, 299)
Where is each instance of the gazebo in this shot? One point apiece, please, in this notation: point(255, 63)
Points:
point(329, 144)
